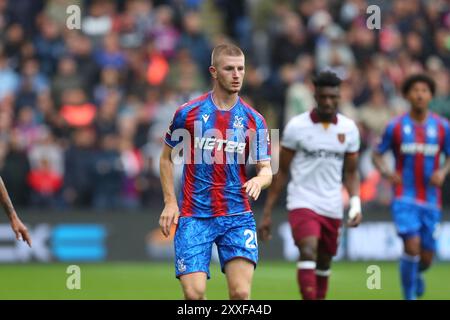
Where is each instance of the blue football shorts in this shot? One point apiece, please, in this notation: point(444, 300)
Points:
point(234, 236)
point(417, 220)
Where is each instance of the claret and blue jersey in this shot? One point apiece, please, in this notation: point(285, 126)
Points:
point(220, 145)
point(417, 149)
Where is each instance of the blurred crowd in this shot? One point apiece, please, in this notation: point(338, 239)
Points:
point(83, 111)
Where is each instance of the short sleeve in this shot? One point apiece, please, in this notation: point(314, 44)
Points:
point(386, 139)
point(446, 147)
point(176, 123)
point(261, 143)
point(354, 140)
point(289, 138)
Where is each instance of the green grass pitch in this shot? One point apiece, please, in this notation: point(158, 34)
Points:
point(273, 280)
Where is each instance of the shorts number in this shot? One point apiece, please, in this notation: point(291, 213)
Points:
point(251, 236)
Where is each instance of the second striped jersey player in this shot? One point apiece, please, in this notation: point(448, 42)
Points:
point(417, 149)
point(419, 141)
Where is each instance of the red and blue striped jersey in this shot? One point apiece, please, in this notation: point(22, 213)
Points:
point(417, 149)
point(216, 146)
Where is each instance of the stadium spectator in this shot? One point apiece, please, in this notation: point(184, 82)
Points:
point(80, 48)
point(132, 162)
point(31, 77)
point(78, 163)
point(49, 45)
point(98, 22)
point(441, 101)
point(110, 83)
point(28, 130)
point(106, 120)
point(375, 114)
point(14, 39)
point(67, 77)
point(195, 41)
point(163, 32)
point(110, 54)
point(291, 42)
point(107, 174)
point(9, 79)
point(76, 110)
point(45, 185)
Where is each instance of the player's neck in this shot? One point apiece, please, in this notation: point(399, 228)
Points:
point(418, 115)
point(224, 100)
point(324, 118)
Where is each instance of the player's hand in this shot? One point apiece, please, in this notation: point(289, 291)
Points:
point(437, 179)
point(353, 223)
point(394, 178)
point(168, 216)
point(354, 213)
point(20, 230)
point(265, 226)
point(252, 188)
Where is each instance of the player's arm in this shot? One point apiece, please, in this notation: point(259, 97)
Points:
point(260, 149)
point(278, 183)
point(438, 177)
point(381, 165)
point(17, 226)
point(170, 212)
point(262, 180)
point(352, 184)
point(385, 144)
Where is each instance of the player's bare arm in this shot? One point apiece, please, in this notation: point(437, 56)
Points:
point(382, 167)
point(17, 226)
point(438, 177)
point(278, 183)
point(171, 211)
point(262, 180)
point(351, 183)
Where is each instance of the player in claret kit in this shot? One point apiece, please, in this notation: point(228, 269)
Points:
point(417, 139)
point(317, 147)
point(221, 133)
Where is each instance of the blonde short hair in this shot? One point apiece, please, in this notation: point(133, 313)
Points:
point(225, 49)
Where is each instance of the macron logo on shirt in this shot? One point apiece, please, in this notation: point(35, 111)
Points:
point(205, 117)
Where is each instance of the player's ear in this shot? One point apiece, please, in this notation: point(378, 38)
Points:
point(316, 95)
point(213, 71)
